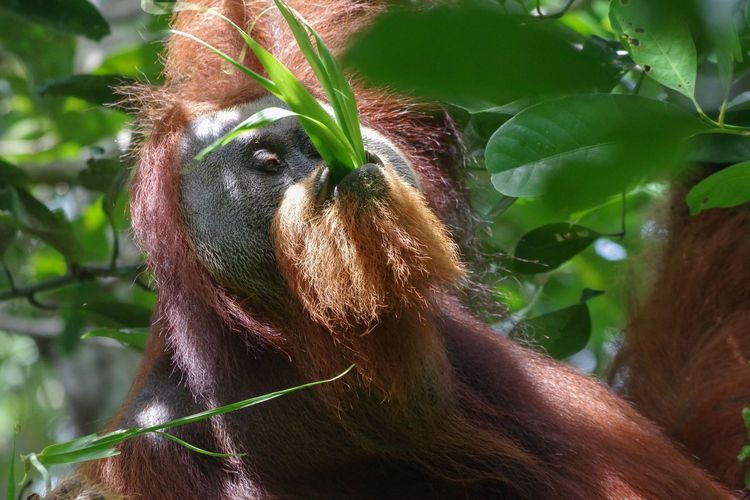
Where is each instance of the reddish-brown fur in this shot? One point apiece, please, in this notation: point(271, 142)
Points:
point(440, 406)
point(685, 358)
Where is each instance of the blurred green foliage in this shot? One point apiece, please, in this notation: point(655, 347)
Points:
point(576, 116)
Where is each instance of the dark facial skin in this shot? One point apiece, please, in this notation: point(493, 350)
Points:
point(230, 197)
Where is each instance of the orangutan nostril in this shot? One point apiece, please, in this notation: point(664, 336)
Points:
point(324, 186)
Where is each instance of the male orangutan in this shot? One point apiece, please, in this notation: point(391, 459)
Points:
point(270, 276)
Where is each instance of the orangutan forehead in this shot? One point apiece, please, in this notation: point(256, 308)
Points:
point(210, 126)
point(206, 128)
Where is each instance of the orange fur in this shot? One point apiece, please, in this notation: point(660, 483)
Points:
point(350, 263)
point(685, 358)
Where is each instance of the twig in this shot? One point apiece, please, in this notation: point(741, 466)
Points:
point(75, 274)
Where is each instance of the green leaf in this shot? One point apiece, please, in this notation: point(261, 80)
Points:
point(726, 188)
point(468, 52)
point(561, 333)
point(718, 148)
point(332, 79)
point(18, 208)
point(94, 447)
point(194, 448)
point(261, 119)
point(157, 8)
point(77, 17)
point(96, 89)
point(10, 174)
point(10, 492)
point(546, 248)
point(744, 453)
point(579, 150)
point(284, 85)
point(659, 40)
point(141, 61)
point(106, 175)
point(134, 338)
point(8, 234)
point(122, 313)
point(99, 174)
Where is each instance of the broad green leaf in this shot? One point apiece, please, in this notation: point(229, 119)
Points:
point(561, 333)
point(134, 338)
point(96, 89)
point(718, 148)
point(122, 313)
point(726, 188)
point(578, 150)
point(99, 174)
point(659, 40)
point(20, 209)
point(546, 248)
point(141, 62)
point(717, 27)
point(77, 17)
point(10, 174)
point(469, 52)
point(106, 175)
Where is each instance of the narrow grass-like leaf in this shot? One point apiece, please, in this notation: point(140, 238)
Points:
point(331, 78)
point(330, 150)
point(263, 81)
point(94, 447)
point(10, 492)
point(347, 103)
point(240, 404)
point(337, 138)
point(194, 448)
point(263, 118)
point(34, 461)
point(299, 99)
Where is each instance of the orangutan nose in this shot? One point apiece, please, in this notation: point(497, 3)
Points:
point(366, 183)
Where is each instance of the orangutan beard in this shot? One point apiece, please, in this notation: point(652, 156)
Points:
point(363, 252)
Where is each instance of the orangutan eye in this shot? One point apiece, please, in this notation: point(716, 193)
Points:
point(267, 161)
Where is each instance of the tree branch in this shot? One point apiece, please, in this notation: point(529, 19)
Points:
point(75, 274)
